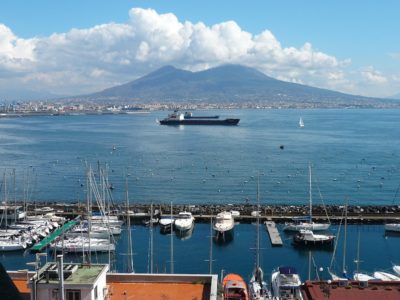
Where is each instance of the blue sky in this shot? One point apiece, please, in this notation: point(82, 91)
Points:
point(362, 36)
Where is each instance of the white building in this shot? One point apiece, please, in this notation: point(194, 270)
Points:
point(80, 282)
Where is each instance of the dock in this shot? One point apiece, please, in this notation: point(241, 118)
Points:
point(273, 232)
point(52, 236)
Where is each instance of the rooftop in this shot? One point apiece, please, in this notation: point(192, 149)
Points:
point(162, 286)
point(73, 273)
point(353, 290)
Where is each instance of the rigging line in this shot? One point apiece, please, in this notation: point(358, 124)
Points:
point(336, 242)
point(323, 203)
point(395, 195)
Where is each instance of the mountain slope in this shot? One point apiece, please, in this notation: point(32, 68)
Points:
point(227, 83)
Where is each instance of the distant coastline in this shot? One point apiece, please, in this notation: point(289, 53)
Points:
point(29, 109)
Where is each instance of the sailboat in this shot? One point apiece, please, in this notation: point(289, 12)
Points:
point(333, 275)
point(357, 274)
point(299, 224)
point(301, 123)
point(257, 286)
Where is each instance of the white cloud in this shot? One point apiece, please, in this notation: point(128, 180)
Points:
point(373, 76)
point(87, 60)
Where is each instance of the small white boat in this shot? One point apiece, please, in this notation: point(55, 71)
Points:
point(308, 238)
point(166, 223)
point(384, 276)
point(12, 245)
point(235, 213)
point(223, 223)
point(396, 269)
point(393, 227)
point(184, 221)
point(297, 226)
point(79, 244)
point(286, 284)
point(363, 277)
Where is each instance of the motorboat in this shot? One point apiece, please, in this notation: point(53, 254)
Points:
point(224, 223)
point(184, 221)
point(393, 227)
point(258, 288)
point(153, 221)
point(235, 288)
point(384, 276)
point(286, 284)
point(166, 224)
point(308, 238)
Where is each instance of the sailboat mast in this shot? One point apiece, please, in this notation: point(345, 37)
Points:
point(258, 224)
point(151, 238)
point(210, 259)
point(172, 244)
point(89, 217)
point(345, 240)
point(5, 198)
point(128, 222)
point(310, 192)
point(358, 252)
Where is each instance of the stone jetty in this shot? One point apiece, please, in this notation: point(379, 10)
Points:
point(203, 212)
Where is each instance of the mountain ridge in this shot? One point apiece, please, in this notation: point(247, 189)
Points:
point(223, 84)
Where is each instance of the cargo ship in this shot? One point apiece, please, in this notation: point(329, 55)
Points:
point(188, 119)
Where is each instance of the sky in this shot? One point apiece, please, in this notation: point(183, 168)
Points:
point(72, 47)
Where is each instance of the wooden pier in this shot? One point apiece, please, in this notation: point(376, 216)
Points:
point(273, 232)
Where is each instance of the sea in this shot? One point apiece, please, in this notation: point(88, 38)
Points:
point(353, 153)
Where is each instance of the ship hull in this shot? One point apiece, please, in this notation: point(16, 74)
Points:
point(227, 122)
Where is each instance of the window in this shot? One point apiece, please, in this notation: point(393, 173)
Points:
point(73, 295)
point(95, 292)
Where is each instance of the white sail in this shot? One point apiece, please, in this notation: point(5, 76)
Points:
point(301, 123)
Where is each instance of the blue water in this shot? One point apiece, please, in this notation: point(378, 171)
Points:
point(354, 153)
point(377, 252)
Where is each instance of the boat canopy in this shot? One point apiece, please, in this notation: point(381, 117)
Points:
point(287, 270)
point(302, 218)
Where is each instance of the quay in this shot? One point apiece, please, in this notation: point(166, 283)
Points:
point(51, 237)
point(279, 213)
point(273, 232)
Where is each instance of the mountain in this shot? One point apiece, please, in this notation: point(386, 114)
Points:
point(225, 84)
point(397, 96)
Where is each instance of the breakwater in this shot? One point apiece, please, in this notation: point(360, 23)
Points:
point(377, 214)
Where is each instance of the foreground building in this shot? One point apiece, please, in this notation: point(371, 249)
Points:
point(93, 282)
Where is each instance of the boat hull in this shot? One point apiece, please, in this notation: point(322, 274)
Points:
point(392, 227)
point(307, 226)
point(175, 122)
